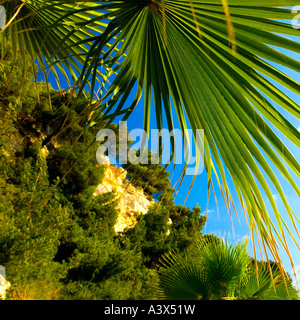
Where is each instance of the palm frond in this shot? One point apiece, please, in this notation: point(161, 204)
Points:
point(54, 34)
point(182, 280)
point(182, 56)
point(224, 264)
point(266, 285)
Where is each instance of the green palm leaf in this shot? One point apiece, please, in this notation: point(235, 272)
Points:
point(181, 280)
point(224, 265)
point(53, 33)
point(213, 273)
point(182, 54)
point(263, 285)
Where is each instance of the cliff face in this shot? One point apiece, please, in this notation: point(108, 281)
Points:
point(130, 199)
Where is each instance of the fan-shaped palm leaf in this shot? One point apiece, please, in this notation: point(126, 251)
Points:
point(224, 264)
point(214, 272)
point(263, 285)
point(213, 64)
point(52, 33)
point(181, 280)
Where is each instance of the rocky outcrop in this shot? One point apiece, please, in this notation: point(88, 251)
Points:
point(4, 286)
point(130, 199)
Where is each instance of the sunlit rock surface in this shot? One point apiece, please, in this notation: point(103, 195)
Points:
point(4, 286)
point(130, 199)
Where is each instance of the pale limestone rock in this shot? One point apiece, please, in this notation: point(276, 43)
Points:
point(169, 223)
point(102, 159)
point(44, 152)
point(130, 199)
point(4, 286)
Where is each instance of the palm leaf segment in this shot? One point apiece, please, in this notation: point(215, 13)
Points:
point(53, 33)
point(214, 66)
point(264, 285)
